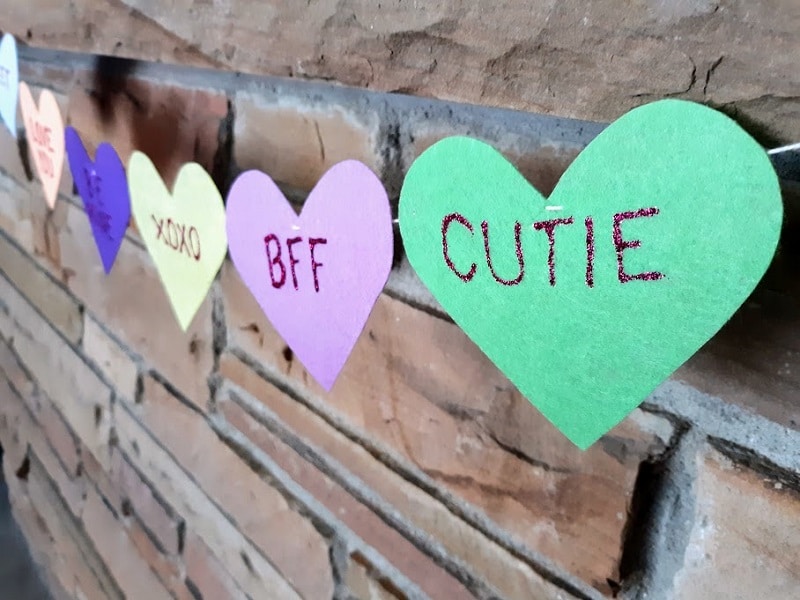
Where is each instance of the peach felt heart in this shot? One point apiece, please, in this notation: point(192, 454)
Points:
point(44, 129)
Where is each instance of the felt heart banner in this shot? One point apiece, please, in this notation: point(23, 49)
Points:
point(316, 276)
point(9, 82)
point(103, 187)
point(184, 232)
point(654, 236)
point(45, 133)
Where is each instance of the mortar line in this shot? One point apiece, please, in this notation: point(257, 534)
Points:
point(670, 522)
point(717, 418)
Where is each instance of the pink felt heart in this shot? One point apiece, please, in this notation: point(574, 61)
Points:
point(317, 275)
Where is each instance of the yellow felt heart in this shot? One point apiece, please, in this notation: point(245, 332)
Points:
point(184, 232)
point(44, 129)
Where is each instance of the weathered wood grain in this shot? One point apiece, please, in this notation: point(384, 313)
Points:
point(590, 59)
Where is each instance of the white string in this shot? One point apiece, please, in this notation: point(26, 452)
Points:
point(788, 148)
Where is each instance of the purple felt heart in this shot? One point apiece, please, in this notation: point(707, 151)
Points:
point(103, 187)
point(316, 275)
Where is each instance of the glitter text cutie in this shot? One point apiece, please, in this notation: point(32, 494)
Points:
point(549, 228)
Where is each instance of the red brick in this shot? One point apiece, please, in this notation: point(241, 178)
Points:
point(259, 509)
point(24, 441)
point(157, 518)
point(23, 438)
point(131, 572)
point(66, 548)
point(26, 218)
point(415, 384)
point(93, 471)
point(71, 487)
point(205, 572)
point(58, 307)
point(61, 438)
point(69, 484)
point(48, 551)
point(13, 433)
point(745, 539)
point(16, 375)
point(363, 584)
point(15, 419)
point(58, 433)
point(296, 144)
point(166, 568)
point(114, 362)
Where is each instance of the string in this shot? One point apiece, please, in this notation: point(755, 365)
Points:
point(782, 149)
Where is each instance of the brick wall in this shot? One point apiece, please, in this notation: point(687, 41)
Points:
point(145, 462)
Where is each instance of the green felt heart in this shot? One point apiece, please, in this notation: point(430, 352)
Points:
point(588, 300)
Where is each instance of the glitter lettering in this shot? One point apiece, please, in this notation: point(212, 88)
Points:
point(465, 277)
point(276, 261)
point(292, 260)
point(517, 248)
point(620, 245)
point(312, 243)
point(273, 248)
point(589, 251)
point(550, 228)
point(173, 233)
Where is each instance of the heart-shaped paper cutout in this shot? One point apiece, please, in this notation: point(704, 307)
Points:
point(104, 189)
point(9, 82)
point(44, 129)
point(184, 232)
point(316, 276)
point(654, 236)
